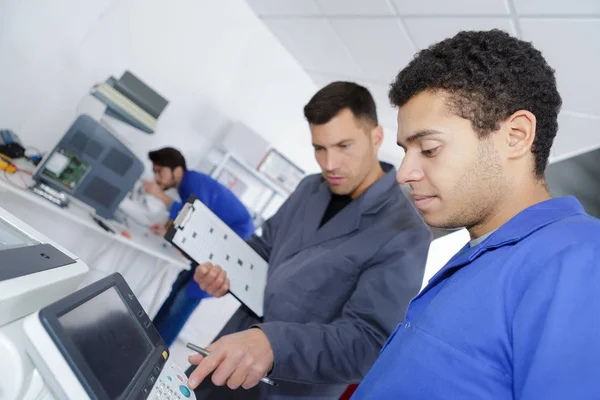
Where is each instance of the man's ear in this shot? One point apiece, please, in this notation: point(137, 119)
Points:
point(520, 133)
point(178, 172)
point(377, 136)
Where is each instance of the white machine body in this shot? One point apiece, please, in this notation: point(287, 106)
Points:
point(22, 295)
point(50, 363)
point(23, 292)
point(40, 359)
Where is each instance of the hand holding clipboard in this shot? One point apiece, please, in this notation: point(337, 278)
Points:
point(204, 238)
point(212, 279)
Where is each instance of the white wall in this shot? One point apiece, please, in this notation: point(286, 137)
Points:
point(213, 59)
point(442, 250)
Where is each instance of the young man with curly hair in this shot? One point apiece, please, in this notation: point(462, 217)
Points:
point(516, 313)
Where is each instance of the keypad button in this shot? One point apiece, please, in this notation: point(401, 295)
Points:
point(184, 391)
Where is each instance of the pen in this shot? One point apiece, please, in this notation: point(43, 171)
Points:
point(103, 225)
point(205, 353)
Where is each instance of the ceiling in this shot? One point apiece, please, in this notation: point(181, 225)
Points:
point(369, 41)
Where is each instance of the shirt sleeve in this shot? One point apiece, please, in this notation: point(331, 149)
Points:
point(556, 328)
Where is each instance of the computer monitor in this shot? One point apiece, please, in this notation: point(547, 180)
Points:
point(99, 344)
point(90, 164)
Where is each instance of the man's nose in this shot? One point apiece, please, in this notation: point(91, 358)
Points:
point(332, 162)
point(409, 172)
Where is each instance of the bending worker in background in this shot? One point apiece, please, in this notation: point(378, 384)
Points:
point(516, 313)
point(346, 253)
point(170, 171)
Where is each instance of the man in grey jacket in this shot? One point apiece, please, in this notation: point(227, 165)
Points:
point(346, 254)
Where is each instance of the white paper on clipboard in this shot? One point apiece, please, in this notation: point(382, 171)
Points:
point(204, 237)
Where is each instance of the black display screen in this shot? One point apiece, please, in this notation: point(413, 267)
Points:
point(110, 340)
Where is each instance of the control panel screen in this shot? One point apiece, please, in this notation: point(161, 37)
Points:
point(110, 340)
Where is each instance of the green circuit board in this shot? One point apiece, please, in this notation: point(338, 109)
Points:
point(66, 169)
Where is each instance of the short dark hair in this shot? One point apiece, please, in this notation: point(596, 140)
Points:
point(167, 157)
point(488, 75)
point(335, 97)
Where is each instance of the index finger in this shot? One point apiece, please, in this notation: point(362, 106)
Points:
point(206, 366)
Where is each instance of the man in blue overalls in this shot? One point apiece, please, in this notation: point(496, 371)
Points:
point(516, 313)
point(170, 171)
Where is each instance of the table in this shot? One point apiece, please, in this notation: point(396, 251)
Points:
point(147, 262)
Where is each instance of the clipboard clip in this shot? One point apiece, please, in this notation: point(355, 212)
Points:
point(184, 216)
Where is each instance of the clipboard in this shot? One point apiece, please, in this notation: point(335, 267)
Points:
point(203, 237)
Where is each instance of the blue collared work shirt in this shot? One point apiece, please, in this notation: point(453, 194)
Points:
point(218, 198)
point(515, 317)
point(221, 201)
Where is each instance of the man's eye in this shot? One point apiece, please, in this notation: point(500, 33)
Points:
point(430, 152)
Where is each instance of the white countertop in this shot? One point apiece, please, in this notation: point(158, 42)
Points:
point(141, 238)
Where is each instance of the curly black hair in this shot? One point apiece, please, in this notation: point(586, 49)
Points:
point(488, 75)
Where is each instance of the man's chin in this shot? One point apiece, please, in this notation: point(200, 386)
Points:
point(435, 221)
point(340, 191)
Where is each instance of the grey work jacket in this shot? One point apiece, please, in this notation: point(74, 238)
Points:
point(334, 294)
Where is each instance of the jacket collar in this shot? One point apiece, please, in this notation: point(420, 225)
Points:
point(374, 197)
point(516, 229)
point(348, 220)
